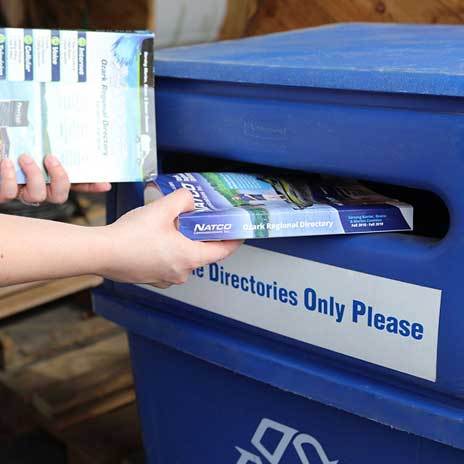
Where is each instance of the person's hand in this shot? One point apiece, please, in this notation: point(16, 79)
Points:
point(146, 247)
point(36, 191)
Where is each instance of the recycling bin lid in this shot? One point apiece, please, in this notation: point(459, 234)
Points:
point(417, 59)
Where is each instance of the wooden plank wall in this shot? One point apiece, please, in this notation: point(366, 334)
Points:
point(243, 18)
point(279, 15)
point(72, 14)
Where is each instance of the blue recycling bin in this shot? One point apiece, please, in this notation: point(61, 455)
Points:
point(321, 349)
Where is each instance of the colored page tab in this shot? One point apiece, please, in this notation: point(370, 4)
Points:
point(28, 44)
point(82, 57)
point(55, 49)
point(3, 61)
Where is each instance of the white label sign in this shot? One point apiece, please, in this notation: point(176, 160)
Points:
point(383, 321)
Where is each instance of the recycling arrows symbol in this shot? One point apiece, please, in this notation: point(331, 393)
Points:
point(288, 435)
point(304, 439)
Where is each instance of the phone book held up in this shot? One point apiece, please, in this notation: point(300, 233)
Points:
point(85, 97)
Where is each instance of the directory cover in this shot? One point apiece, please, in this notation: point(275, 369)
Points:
point(251, 206)
point(85, 97)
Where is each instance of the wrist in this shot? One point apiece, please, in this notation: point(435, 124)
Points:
point(105, 252)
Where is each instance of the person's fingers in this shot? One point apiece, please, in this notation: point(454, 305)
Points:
point(180, 201)
point(58, 189)
point(212, 252)
point(8, 185)
point(35, 190)
point(162, 284)
point(99, 187)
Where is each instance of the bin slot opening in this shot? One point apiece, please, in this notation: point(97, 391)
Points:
point(431, 216)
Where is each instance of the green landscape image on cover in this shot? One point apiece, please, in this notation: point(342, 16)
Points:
point(258, 214)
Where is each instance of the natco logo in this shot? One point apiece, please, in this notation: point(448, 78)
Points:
point(211, 228)
point(289, 438)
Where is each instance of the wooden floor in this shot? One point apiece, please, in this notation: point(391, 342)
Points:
point(66, 376)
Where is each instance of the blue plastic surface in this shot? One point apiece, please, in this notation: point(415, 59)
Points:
point(203, 389)
point(382, 103)
point(374, 57)
point(403, 139)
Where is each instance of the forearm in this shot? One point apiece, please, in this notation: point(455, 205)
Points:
point(34, 249)
point(143, 246)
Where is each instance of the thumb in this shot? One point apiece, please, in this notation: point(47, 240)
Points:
point(180, 201)
point(212, 252)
